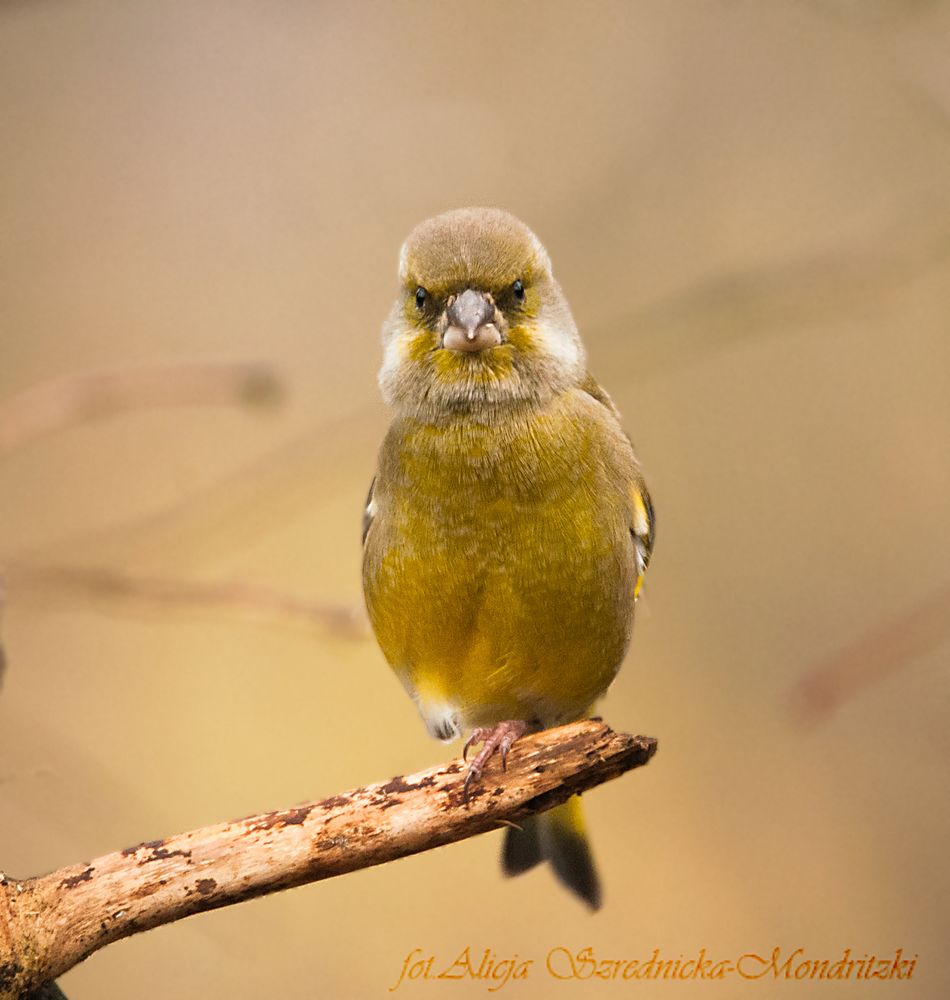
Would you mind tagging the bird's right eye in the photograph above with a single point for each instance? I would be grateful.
(421, 296)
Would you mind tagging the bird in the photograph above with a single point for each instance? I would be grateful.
(508, 527)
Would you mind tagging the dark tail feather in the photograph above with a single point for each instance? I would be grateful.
(558, 837)
(522, 849)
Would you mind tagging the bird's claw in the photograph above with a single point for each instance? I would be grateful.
(495, 739)
(472, 774)
(479, 735)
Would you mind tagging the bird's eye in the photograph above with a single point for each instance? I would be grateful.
(518, 289)
(421, 296)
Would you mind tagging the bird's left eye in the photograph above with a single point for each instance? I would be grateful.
(421, 296)
(518, 289)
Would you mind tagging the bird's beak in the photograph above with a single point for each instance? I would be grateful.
(471, 325)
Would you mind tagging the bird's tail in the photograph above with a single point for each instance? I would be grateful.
(557, 836)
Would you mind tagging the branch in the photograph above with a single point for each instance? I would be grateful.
(104, 586)
(50, 923)
(74, 399)
(874, 655)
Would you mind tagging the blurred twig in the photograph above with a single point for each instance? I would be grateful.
(287, 482)
(149, 593)
(64, 402)
(873, 656)
(49, 923)
(692, 323)
(74, 399)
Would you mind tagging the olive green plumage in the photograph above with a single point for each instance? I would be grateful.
(508, 526)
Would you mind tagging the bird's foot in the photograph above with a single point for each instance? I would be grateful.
(494, 739)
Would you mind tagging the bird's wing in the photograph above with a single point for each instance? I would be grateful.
(643, 525)
(369, 511)
(592, 387)
(643, 529)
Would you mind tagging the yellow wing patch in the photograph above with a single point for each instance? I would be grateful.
(642, 531)
(369, 511)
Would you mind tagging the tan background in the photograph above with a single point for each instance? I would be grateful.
(748, 205)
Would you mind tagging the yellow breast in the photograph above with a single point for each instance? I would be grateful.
(499, 570)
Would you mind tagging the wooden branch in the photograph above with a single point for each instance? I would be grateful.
(50, 923)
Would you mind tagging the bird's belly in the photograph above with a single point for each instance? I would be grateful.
(505, 608)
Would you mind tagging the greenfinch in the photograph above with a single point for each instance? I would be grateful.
(508, 527)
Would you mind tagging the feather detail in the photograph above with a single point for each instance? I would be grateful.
(369, 510)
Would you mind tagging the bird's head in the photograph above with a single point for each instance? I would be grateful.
(480, 324)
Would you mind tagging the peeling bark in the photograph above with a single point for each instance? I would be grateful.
(50, 923)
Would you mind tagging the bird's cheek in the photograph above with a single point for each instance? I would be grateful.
(410, 347)
(522, 340)
(419, 344)
(406, 348)
(545, 344)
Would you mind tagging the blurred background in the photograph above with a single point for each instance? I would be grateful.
(748, 206)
